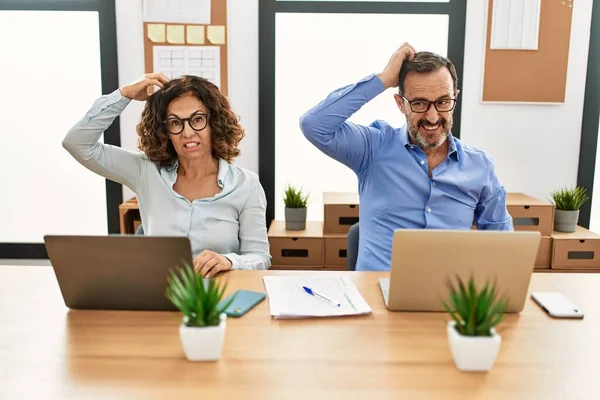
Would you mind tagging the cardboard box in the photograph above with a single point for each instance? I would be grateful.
(544, 252)
(136, 224)
(577, 250)
(129, 213)
(530, 214)
(296, 248)
(340, 212)
(336, 253)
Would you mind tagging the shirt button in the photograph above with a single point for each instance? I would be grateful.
(422, 162)
(429, 210)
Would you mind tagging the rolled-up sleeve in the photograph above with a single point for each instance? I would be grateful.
(491, 212)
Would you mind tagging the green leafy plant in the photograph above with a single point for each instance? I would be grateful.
(475, 312)
(199, 302)
(294, 198)
(569, 199)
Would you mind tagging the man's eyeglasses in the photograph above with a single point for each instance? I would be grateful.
(422, 106)
(197, 122)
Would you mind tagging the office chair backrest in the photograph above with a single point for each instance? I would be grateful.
(352, 247)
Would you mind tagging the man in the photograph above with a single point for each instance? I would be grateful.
(415, 177)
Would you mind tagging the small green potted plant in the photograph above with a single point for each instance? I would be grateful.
(295, 208)
(567, 203)
(202, 331)
(473, 339)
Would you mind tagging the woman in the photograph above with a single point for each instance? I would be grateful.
(183, 179)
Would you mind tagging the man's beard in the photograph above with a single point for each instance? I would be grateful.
(421, 141)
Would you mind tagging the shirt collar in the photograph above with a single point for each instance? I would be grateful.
(453, 150)
(223, 171)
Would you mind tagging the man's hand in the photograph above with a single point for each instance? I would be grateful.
(390, 75)
(208, 263)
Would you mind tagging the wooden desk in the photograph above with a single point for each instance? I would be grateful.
(49, 352)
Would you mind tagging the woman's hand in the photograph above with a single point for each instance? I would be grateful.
(208, 263)
(138, 90)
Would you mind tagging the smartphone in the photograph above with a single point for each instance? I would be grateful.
(243, 302)
(557, 305)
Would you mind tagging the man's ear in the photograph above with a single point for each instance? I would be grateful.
(400, 103)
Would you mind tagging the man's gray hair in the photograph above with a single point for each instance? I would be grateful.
(423, 62)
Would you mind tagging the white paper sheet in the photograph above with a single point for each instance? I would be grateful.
(177, 11)
(203, 61)
(287, 298)
(515, 25)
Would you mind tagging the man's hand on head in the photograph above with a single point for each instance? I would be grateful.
(390, 75)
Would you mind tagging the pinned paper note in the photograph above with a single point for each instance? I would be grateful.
(174, 61)
(195, 34)
(177, 11)
(515, 25)
(156, 33)
(175, 34)
(216, 34)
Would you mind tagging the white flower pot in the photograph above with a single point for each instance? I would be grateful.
(203, 343)
(473, 353)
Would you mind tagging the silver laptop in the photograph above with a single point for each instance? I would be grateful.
(116, 272)
(424, 260)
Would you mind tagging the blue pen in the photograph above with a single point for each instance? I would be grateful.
(322, 296)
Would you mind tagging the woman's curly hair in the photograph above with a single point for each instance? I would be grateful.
(226, 132)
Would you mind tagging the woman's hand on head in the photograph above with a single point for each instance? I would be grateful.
(208, 263)
(138, 90)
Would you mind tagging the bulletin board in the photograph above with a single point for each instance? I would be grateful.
(189, 48)
(531, 76)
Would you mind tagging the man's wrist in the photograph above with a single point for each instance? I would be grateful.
(387, 81)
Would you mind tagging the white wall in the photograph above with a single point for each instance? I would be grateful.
(45, 190)
(536, 147)
(243, 71)
(595, 217)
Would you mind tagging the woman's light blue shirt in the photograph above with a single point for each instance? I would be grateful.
(231, 223)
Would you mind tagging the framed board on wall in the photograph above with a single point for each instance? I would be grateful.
(187, 37)
(531, 76)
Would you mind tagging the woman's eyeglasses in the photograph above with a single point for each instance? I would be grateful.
(197, 122)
